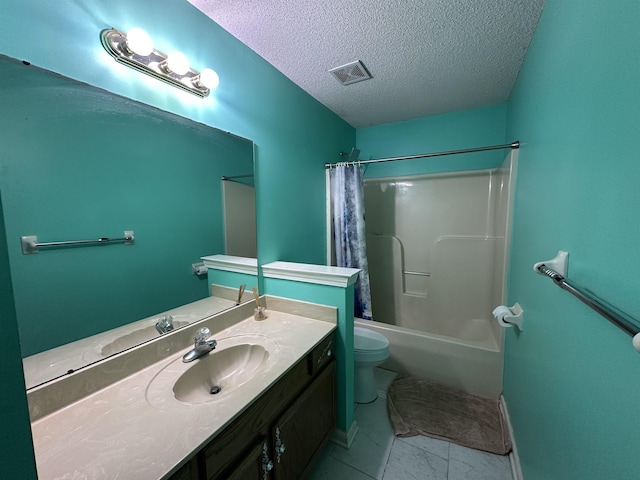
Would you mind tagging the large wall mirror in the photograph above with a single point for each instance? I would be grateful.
(80, 163)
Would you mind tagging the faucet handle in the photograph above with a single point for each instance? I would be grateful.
(202, 335)
(164, 324)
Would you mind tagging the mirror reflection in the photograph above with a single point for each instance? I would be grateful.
(80, 163)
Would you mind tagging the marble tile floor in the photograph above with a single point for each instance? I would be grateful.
(377, 454)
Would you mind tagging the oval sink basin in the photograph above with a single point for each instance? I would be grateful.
(235, 362)
(127, 336)
(134, 338)
(220, 372)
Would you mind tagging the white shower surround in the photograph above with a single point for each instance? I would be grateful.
(456, 227)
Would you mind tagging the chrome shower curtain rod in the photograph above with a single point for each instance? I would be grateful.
(512, 146)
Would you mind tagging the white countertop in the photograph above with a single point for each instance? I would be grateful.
(116, 432)
(55, 362)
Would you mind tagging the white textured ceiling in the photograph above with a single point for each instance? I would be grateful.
(426, 56)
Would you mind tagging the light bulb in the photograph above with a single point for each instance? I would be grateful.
(139, 42)
(209, 78)
(178, 63)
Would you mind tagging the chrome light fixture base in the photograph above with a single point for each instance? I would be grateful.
(115, 42)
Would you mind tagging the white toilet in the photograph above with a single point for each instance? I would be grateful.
(370, 350)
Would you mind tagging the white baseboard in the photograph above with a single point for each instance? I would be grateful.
(514, 459)
(345, 439)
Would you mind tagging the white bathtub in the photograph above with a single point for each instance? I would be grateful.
(474, 366)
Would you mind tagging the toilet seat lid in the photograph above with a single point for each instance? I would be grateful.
(365, 339)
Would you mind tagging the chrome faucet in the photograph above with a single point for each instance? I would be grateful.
(164, 324)
(201, 347)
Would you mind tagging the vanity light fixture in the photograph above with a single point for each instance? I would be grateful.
(135, 49)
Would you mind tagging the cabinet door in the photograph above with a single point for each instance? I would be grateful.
(228, 447)
(304, 428)
(257, 465)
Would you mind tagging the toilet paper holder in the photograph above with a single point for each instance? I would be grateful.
(199, 268)
(509, 316)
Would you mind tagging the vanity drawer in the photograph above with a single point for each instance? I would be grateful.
(321, 355)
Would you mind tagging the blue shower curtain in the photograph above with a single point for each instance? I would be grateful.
(347, 198)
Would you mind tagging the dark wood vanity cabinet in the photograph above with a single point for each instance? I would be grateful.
(304, 428)
(281, 433)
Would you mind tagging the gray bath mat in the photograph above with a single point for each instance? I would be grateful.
(420, 407)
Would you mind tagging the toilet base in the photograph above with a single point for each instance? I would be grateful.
(365, 389)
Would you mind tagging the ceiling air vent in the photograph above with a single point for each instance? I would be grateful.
(351, 73)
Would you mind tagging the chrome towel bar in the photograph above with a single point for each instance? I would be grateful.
(619, 318)
(31, 245)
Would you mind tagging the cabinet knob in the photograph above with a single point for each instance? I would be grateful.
(267, 463)
(280, 446)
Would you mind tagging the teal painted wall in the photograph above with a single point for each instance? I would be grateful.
(571, 378)
(16, 452)
(293, 133)
(231, 279)
(342, 299)
(78, 162)
(450, 131)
